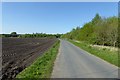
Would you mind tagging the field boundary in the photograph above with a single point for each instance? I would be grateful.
(42, 67)
(57, 57)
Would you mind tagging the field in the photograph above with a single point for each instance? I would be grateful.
(18, 53)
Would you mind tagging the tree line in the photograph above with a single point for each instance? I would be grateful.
(38, 35)
(100, 31)
(34, 35)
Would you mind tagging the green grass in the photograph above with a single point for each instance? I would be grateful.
(42, 67)
(107, 55)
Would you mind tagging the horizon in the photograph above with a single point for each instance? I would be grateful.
(52, 17)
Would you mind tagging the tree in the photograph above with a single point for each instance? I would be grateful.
(96, 19)
(13, 33)
(113, 30)
(101, 31)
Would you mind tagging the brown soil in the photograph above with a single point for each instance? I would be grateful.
(18, 53)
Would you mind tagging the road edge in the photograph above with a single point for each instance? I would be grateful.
(57, 57)
(94, 55)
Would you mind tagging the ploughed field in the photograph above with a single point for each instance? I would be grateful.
(18, 53)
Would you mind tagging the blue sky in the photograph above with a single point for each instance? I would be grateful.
(51, 17)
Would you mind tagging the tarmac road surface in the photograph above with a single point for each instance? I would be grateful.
(73, 62)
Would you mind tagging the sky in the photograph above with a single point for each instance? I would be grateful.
(52, 17)
(60, 0)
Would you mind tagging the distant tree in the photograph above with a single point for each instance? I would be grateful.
(57, 35)
(13, 33)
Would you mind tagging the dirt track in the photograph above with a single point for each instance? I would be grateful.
(18, 53)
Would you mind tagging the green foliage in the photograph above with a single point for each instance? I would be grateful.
(40, 35)
(100, 31)
(96, 19)
(0, 35)
(10, 35)
(34, 35)
(42, 67)
(14, 33)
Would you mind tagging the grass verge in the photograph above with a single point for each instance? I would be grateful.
(42, 67)
(105, 54)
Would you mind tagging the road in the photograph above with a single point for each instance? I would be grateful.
(73, 62)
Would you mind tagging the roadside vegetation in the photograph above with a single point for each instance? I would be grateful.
(0, 35)
(99, 31)
(104, 53)
(42, 67)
